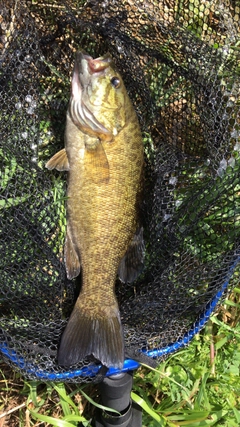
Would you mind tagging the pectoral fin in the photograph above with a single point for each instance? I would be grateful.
(59, 161)
(72, 261)
(97, 161)
(133, 261)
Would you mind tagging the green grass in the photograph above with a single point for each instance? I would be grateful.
(197, 386)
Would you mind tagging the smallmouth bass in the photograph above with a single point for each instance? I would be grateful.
(103, 155)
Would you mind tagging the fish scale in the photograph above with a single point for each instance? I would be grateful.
(104, 159)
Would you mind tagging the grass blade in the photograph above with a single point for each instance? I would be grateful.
(147, 408)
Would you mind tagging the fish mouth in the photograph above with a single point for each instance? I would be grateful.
(85, 66)
(94, 65)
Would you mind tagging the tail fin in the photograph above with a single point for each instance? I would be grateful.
(98, 334)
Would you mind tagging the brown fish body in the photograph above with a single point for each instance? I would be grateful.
(104, 183)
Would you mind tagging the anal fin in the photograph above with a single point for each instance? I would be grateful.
(132, 263)
(59, 161)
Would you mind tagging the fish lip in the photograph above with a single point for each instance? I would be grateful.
(93, 65)
(99, 64)
(80, 66)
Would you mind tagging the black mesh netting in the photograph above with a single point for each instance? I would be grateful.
(180, 63)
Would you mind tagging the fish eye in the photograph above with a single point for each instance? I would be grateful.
(115, 81)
